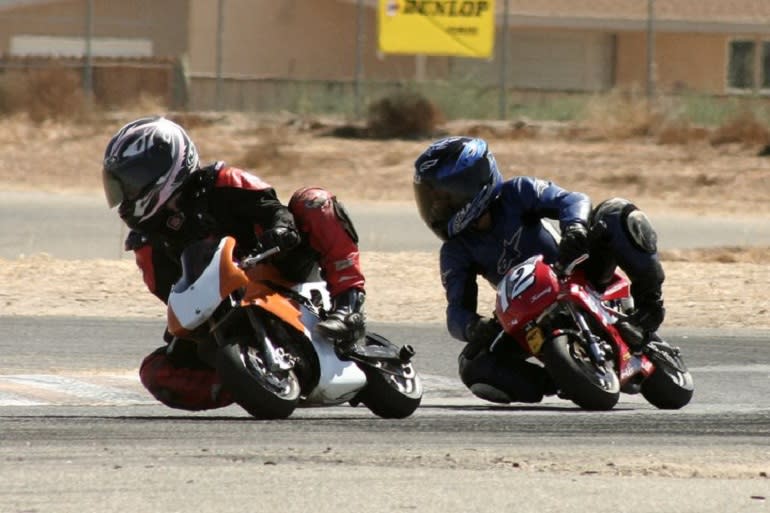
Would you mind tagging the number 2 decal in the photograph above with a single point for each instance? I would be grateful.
(518, 280)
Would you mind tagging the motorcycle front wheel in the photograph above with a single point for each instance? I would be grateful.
(264, 394)
(576, 375)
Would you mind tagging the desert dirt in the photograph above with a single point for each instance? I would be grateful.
(715, 288)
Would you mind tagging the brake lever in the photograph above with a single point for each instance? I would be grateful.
(251, 261)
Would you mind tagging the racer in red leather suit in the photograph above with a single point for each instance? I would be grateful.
(180, 202)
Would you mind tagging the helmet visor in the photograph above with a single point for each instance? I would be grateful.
(439, 199)
(127, 182)
(112, 189)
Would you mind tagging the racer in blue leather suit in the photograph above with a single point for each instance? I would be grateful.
(488, 225)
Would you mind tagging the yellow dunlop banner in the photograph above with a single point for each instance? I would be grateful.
(437, 27)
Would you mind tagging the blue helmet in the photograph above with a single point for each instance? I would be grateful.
(455, 180)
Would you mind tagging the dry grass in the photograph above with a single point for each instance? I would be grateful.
(56, 95)
(744, 128)
(272, 150)
(619, 115)
(43, 95)
(723, 255)
(623, 115)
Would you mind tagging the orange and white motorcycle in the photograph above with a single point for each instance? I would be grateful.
(260, 330)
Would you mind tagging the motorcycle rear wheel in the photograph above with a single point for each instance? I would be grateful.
(577, 377)
(670, 386)
(263, 394)
(393, 389)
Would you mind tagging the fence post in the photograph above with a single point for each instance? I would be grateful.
(219, 56)
(650, 49)
(88, 72)
(359, 58)
(503, 113)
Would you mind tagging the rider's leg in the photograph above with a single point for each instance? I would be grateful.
(503, 376)
(327, 227)
(175, 376)
(618, 228)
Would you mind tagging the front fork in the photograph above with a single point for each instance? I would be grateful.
(275, 358)
(593, 342)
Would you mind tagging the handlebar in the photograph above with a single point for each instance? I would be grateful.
(253, 260)
(567, 271)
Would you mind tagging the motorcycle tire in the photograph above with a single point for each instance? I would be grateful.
(264, 395)
(577, 377)
(670, 386)
(393, 389)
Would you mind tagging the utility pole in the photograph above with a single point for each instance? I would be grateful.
(359, 58)
(219, 50)
(650, 49)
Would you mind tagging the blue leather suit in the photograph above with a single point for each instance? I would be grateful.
(519, 230)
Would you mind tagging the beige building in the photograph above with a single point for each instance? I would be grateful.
(711, 46)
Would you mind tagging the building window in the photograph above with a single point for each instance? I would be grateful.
(748, 65)
(766, 65)
(740, 74)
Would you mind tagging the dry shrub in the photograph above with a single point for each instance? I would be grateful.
(271, 151)
(43, 94)
(744, 128)
(619, 115)
(403, 115)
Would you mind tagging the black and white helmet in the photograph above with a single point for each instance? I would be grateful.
(145, 163)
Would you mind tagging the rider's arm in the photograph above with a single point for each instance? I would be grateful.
(159, 271)
(542, 198)
(249, 197)
(460, 287)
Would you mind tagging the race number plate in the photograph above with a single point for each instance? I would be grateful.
(535, 339)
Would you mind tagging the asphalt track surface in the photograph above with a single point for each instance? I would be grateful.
(79, 434)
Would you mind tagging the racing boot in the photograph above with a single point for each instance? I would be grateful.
(345, 323)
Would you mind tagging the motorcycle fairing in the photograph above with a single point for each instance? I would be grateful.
(196, 299)
(618, 288)
(339, 380)
(262, 295)
(628, 364)
(525, 291)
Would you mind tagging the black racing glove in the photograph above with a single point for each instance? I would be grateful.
(479, 334)
(574, 243)
(282, 237)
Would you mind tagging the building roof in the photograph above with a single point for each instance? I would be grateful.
(718, 16)
(11, 4)
(670, 15)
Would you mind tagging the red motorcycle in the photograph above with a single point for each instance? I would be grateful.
(571, 328)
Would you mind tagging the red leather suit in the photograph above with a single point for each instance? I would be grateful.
(218, 201)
